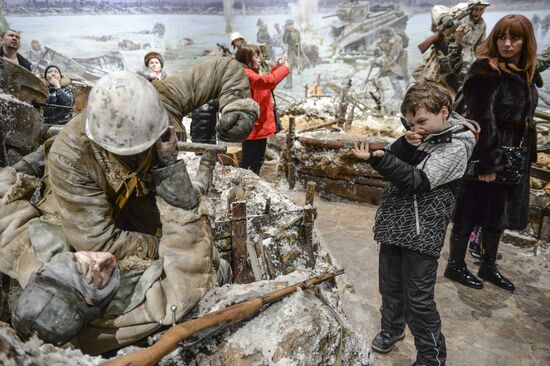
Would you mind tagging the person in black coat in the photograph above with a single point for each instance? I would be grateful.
(58, 106)
(500, 94)
(203, 122)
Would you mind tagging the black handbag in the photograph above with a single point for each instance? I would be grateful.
(516, 162)
(278, 125)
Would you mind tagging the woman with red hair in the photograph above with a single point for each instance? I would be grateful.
(261, 88)
(500, 94)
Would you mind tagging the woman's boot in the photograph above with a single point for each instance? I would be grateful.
(488, 268)
(456, 269)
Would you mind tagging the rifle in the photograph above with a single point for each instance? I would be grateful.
(234, 313)
(225, 50)
(449, 23)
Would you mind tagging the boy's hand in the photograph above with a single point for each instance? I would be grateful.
(361, 151)
(413, 138)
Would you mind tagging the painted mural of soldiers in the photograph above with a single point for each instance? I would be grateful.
(543, 60)
(449, 59)
(393, 57)
(263, 37)
(292, 39)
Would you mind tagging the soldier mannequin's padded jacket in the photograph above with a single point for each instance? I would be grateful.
(417, 206)
(85, 180)
(222, 78)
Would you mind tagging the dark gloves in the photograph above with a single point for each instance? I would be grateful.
(235, 126)
(237, 120)
(173, 184)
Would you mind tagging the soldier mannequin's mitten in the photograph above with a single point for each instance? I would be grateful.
(172, 183)
(237, 120)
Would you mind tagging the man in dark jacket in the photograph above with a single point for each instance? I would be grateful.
(11, 41)
(203, 122)
(412, 220)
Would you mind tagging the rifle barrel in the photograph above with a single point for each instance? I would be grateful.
(170, 340)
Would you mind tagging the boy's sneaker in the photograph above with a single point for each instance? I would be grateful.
(383, 342)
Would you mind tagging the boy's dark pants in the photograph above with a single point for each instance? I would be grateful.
(406, 283)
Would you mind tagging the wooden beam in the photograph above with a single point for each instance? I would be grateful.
(239, 260)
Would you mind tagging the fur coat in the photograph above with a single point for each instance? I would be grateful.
(503, 104)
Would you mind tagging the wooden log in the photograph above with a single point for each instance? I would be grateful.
(313, 128)
(344, 189)
(540, 173)
(542, 115)
(310, 193)
(239, 259)
(337, 144)
(291, 137)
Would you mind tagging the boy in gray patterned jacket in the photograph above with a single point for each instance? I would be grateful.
(414, 213)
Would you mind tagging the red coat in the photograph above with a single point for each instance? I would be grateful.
(260, 88)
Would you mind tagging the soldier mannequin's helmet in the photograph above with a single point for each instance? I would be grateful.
(235, 36)
(52, 310)
(289, 22)
(479, 2)
(125, 115)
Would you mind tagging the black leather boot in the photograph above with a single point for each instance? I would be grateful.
(383, 342)
(489, 272)
(456, 267)
(488, 268)
(460, 273)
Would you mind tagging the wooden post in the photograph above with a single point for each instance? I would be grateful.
(305, 91)
(544, 231)
(291, 168)
(239, 257)
(310, 193)
(309, 218)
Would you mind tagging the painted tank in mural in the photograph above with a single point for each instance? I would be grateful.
(359, 23)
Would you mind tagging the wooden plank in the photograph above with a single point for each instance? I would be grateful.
(290, 138)
(344, 189)
(239, 260)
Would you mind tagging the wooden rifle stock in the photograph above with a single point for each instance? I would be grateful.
(234, 313)
(423, 47)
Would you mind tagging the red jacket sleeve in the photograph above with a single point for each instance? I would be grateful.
(268, 81)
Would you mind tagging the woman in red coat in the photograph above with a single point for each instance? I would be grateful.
(261, 87)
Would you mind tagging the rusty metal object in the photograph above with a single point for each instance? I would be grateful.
(21, 83)
(290, 138)
(242, 272)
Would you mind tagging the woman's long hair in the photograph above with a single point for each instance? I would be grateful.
(245, 53)
(516, 25)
